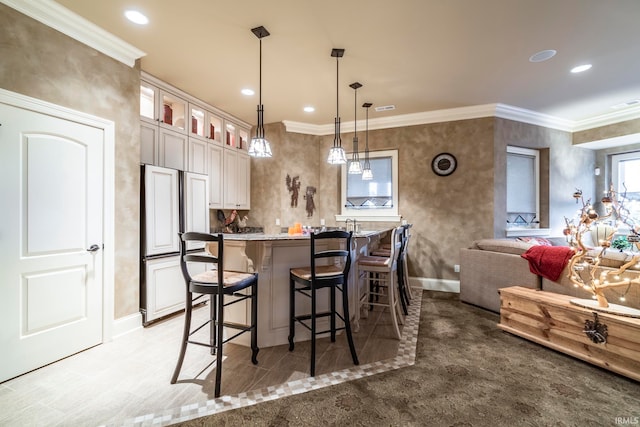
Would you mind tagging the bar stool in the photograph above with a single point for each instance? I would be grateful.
(380, 275)
(402, 272)
(220, 285)
(329, 269)
(406, 235)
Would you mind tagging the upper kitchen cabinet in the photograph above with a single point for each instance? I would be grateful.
(213, 129)
(231, 135)
(236, 137)
(173, 150)
(236, 179)
(149, 143)
(243, 139)
(180, 131)
(162, 107)
(197, 121)
(173, 112)
(149, 100)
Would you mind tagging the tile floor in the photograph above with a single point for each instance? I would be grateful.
(126, 382)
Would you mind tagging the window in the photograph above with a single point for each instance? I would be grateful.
(523, 182)
(625, 175)
(376, 199)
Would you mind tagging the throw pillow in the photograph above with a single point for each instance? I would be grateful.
(536, 241)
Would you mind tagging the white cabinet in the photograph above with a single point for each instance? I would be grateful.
(181, 132)
(164, 289)
(161, 210)
(198, 161)
(236, 179)
(173, 150)
(215, 165)
(149, 143)
(213, 125)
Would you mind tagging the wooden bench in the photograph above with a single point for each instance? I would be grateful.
(551, 320)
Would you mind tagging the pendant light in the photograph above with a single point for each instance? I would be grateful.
(259, 146)
(367, 174)
(354, 165)
(336, 154)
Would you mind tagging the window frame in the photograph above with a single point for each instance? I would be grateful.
(616, 159)
(373, 214)
(535, 154)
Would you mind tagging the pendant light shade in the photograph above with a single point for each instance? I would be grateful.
(259, 146)
(336, 154)
(355, 168)
(367, 174)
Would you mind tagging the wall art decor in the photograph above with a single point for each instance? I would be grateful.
(308, 196)
(293, 186)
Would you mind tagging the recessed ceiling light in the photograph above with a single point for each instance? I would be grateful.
(309, 109)
(543, 55)
(581, 68)
(247, 92)
(136, 17)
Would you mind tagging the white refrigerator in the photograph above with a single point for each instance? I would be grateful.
(171, 201)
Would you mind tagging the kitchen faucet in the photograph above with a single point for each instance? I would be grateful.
(354, 224)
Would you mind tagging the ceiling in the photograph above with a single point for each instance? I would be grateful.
(419, 55)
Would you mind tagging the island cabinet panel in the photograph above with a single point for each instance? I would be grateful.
(552, 320)
(271, 256)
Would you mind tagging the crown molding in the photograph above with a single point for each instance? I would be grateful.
(62, 19)
(527, 116)
(631, 113)
(502, 111)
(438, 116)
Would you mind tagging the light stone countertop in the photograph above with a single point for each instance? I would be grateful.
(285, 236)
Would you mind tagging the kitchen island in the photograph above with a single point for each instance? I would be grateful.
(271, 256)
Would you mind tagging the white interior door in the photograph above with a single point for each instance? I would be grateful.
(51, 283)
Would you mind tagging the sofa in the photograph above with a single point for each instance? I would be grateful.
(491, 264)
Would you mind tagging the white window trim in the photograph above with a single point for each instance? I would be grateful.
(370, 215)
(536, 154)
(622, 229)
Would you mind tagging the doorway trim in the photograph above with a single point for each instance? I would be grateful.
(108, 128)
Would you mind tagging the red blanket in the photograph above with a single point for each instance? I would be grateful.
(548, 261)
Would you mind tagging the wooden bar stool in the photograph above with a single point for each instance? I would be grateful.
(329, 269)
(380, 276)
(219, 284)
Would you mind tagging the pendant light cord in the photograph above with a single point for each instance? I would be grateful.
(260, 130)
(337, 142)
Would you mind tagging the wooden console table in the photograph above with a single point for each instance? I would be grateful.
(551, 320)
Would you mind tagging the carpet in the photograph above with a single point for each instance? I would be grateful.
(467, 373)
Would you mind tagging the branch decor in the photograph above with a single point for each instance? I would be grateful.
(585, 269)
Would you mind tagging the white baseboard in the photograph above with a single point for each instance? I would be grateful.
(126, 324)
(431, 284)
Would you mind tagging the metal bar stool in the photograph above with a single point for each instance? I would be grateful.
(219, 284)
(329, 269)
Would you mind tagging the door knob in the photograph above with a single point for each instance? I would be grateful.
(93, 248)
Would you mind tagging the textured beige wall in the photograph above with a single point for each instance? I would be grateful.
(447, 212)
(564, 168)
(42, 63)
(610, 131)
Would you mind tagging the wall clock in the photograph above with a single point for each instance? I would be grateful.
(444, 164)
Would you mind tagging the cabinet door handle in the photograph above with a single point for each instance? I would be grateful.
(93, 248)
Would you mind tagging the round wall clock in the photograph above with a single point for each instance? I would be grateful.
(444, 164)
